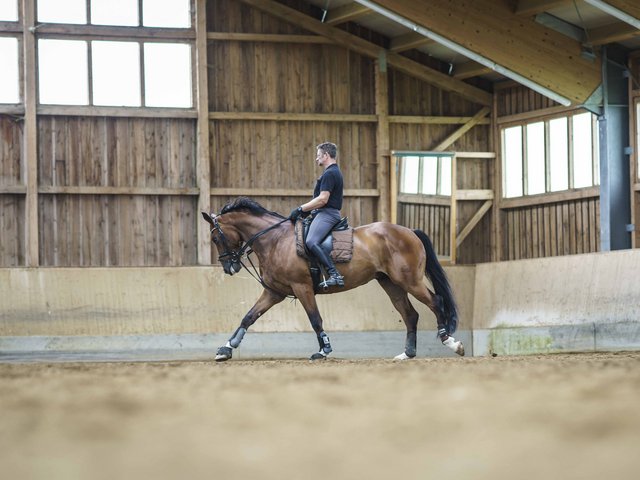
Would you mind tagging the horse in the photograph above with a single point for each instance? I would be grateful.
(394, 255)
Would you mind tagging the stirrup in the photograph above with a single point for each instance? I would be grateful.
(334, 280)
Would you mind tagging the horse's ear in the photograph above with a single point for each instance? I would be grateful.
(207, 217)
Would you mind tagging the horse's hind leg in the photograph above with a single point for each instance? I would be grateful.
(267, 299)
(401, 302)
(434, 302)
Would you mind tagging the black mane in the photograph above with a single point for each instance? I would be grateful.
(249, 205)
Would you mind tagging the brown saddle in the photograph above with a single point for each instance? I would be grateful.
(339, 242)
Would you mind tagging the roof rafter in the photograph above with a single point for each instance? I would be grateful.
(371, 50)
(345, 13)
(408, 41)
(626, 10)
(490, 33)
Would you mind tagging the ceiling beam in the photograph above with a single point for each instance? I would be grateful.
(615, 32)
(371, 50)
(626, 10)
(529, 8)
(408, 41)
(346, 13)
(489, 33)
(469, 69)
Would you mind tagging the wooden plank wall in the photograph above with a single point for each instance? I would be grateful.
(91, 155)
(284, 78)
(12, 205)
(536, 227)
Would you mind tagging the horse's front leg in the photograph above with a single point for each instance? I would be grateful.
(267, 299)
(308, 300)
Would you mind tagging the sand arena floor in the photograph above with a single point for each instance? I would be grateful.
(539, 417)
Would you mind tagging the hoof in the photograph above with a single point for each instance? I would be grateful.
(318, 356)
(402, 356)
(223, 354)
(454, 345)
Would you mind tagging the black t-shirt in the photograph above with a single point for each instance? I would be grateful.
(331, 181)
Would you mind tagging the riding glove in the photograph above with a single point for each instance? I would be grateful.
(295, 213)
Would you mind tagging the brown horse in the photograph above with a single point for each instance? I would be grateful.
(395, 256)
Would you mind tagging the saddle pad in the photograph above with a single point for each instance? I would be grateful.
(342, 251)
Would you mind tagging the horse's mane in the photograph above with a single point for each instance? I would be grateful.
(249, 205)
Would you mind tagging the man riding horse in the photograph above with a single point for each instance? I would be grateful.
(325, 207)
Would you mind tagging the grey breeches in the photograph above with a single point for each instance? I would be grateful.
(322, 224)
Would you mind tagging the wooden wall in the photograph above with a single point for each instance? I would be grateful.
(563, 223)
(87, 165)
(12, 205)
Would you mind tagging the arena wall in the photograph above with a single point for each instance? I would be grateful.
(572, 303)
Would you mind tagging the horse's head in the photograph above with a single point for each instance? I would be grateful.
(228, 243)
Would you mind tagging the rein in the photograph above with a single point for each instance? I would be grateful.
(236, 255)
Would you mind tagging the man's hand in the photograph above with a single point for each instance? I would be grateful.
(295, 213)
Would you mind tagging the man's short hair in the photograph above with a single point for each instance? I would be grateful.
(330, 148)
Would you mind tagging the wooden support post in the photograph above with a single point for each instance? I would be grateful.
(453, 216)
(496, 179)
(203, 154)
(382, 138)
(30, 148)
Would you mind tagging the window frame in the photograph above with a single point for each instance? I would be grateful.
(401, 155)
(89, 32)
(595, 161)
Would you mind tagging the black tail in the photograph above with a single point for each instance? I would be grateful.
(440, 283)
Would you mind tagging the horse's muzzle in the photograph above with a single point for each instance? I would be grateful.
(231, 268)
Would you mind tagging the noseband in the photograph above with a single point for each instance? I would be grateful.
(228, 253)
(235, 256)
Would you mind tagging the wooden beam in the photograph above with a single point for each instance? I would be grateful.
(408, 41)
(630, 7)
(475, 194)
(203, 157)
(103, 31)
(30, 135)
(522, 46)
(469, 70)
(294, 117)
(267, 38)
(382, 140)
(433, 120)
(447, 142)
(95, 111)
(368, 49)
(533, 7)
(104, 190)
(464, 233)
(283, 192)
(615, 32)
(345, 13)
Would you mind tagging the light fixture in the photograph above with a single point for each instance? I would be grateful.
(466, 52)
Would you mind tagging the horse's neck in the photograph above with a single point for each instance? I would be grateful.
(251, 225)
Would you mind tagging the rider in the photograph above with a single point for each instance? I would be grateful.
(325, 205)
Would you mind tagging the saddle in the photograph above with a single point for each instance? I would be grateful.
(338, 243)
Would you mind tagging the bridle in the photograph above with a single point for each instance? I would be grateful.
(235, 256)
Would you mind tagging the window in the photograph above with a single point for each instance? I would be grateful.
(8, 10)
(116, 73)
(425, 173)
(550, 156)
(167, 68)
(9, 74)
(62, 72)
(122, 72)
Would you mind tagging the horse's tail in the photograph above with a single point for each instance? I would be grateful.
(438, 278)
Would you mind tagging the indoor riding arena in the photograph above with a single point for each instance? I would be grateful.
(507, 131)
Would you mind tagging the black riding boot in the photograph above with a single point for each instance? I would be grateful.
(334, 276)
